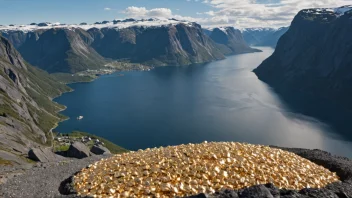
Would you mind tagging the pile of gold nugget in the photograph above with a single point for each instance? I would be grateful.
(198, 168)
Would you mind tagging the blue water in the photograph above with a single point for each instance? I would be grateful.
(218, 101)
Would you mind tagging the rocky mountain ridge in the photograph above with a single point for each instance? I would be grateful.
(180, 44)
(230, 40)
(152, 42)
(314, 56)
(115, 24)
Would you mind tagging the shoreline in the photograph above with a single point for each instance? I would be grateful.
(102, 73)
(72, 90)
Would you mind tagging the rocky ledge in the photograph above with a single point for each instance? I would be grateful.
(54, 180)
(341, 165)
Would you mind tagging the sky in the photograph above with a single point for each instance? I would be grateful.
(209, 13)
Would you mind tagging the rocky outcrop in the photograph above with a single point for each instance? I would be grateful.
(230, 41)
(270, 191)
(17, 38)
(314, 56)
(263, 36)
(44, 155)
(99, 150)
(26, 111)
(78, 150)
(9, 54)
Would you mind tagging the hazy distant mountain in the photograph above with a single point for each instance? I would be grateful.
(315, 55)
(73, 48)
(230, 40)
(263, 36)
(26, 112)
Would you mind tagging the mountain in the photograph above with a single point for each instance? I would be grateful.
(263, 36)
(27, 113)
(230, 40)
(314, 56)
(173, 44)
(74, 48)
(57, 49)
(17, 38)
(155, 42)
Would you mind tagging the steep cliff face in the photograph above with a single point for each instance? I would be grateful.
(114, 43)
(314, 56)
(263, 36)
(26, 111)
(61, 50)
(230, 41)
(180, 44)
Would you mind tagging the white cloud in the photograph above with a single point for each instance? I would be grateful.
(142, 12)
(107, 9)
(241, 13)
(210, 13)
(250, 13)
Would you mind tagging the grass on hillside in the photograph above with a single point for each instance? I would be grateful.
(67, 78)
(6, 109)
(44, 102)
(46, 84)
(61, 148)
(4, 162)
(45, 121)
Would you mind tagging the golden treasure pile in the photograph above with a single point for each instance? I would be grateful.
(198, 168)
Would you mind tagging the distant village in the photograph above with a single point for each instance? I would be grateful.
(65, 140)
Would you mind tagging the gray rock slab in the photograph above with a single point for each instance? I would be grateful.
(44, 155)
(78, 150)
(99, 150)
(44, 180)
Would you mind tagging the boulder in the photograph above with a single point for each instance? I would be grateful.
(44, 155)
(99, 150)
(326, 193)
(78, 150)
(259, 191)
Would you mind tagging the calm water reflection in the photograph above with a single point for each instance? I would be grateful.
(219, 101)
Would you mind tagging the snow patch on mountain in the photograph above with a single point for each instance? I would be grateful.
(338, 12)
(259, 29)
(343, 10)
(116, 24)
(223, 29)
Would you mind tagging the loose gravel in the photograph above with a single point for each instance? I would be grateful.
(44, 180)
